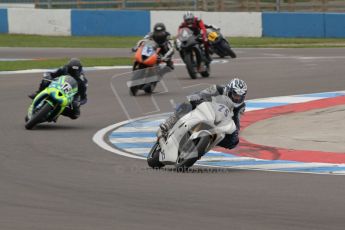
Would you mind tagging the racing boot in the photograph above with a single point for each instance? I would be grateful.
(44, 83)
(181, 110)
(170, 64)
(33, 95)
(134, 49)
(167, 125)
(208, 57)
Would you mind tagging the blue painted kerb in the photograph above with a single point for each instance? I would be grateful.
(3, 21)
(110, 23)
(293, 24)
(335, 25)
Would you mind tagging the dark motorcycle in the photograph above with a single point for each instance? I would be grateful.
(218, 44)
(192, 53)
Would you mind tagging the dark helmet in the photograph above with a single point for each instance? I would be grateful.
(188, 18)
(236, 90)
(74, 67)
(159, 34)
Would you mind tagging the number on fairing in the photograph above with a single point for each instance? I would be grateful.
(147, 51)
(226, 110)
(66, 87)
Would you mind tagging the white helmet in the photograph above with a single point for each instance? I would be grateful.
(236, 89)
(189, 18)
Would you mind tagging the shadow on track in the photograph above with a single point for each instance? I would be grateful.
(58, 127)
(196, 170)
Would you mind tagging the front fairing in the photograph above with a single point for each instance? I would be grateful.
(147, 54)
(186, 39)
(208, 118)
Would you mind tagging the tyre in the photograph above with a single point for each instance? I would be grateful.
(190, 64)
(133, 91)
(38, 116)
(153, 157)
(149, 88)
(227, 49)
(135, 66)
(207, 72)
(221, 55)
(219, 52)
(183, 161)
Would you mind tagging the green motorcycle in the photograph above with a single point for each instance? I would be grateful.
(48, 105)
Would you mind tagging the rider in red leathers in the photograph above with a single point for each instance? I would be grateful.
(199, 29)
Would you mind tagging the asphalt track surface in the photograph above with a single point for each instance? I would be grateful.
(55, 177)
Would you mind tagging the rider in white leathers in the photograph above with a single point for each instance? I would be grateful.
(236, 90)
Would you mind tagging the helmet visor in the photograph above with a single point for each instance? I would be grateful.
(75, 71)
(159, 37)
(237, 98)
(189, 21)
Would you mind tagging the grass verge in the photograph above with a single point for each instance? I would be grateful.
(55, 63)
(7, 40)
(17, 40)
(287, 42)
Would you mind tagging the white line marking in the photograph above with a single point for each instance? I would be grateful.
(132, 140)
(95, 68)
(47, 70)
(338, 172)
(99, 136)
(290, 100)
(301, 58)
(253, 108)
(16, 59)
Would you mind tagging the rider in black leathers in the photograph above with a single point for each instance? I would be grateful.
(163, 39)
(73, 68)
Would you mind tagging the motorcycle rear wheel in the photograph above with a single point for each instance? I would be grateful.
(39, 116)
(150, 88)
(201, 144)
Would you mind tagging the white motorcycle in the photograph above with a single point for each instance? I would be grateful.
(194, 134)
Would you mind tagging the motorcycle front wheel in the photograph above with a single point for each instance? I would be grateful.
(39, 116)
(190, 61)
(206, 73)
(227, 49)
(153, 157)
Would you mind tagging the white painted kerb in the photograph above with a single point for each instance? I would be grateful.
(39, 21)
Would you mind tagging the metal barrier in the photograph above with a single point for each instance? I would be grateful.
(202, 5)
